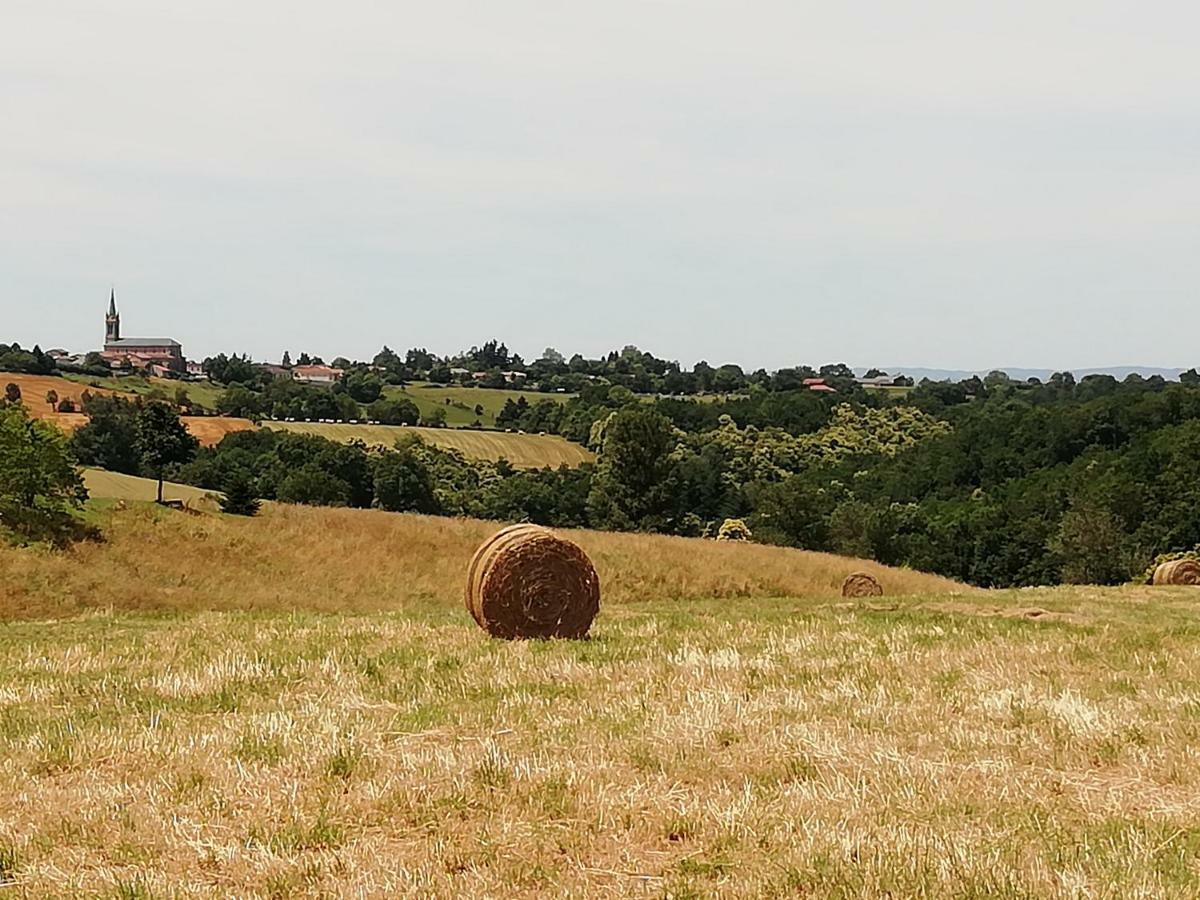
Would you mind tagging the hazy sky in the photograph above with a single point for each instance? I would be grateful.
(952, 183)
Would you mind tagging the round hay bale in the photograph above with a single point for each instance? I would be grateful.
(1178, 571)
(861, 584)
(526, 582)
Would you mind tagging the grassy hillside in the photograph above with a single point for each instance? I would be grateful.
(731, 729)
(345, 560)
(104, 485)
(202, 392)
(459, 402)
(526, 451)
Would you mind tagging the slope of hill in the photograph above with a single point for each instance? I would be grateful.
(459, 402)
(344, 560)
(525, 451)
(203, 392)
(102, 485)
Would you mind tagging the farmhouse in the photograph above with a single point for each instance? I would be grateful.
(159, 356)
(316, 374)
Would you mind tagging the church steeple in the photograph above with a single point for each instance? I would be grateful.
(112, 321)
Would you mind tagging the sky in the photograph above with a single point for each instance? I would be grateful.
(952, 184)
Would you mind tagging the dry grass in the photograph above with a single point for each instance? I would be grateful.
(525, 451)
(211, 430)
(753, 749)
(330, 560)
(223, 720)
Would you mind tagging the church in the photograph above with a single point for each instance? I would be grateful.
(158, 356)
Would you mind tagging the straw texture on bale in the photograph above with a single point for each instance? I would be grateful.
(1178, 571)
(861, 584)
(526, 582)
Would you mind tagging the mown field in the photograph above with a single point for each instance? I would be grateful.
(298, 705)
(459, 402)
(525, 451)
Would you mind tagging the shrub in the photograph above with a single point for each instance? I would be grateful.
(734, 530)
(240, 498)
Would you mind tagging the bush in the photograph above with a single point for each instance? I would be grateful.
(240, 498)
(734, 530)
(40, 487)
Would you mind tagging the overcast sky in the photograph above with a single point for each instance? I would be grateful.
(951, 183)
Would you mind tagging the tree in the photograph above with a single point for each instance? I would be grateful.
(12, 393)
(403, 483)
(109, 439)
(238, 400)
(240, 498)
(162, 440)
(1092, 544)
(1191, 377)
(435, 419)
(52, 399)
(630, 490)
(394, 412)
(312, 487)
(287, 360)
(40, 486)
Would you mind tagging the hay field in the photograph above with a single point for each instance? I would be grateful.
(1022, 744)
(460, 411)
(35, 387)
(525, 451)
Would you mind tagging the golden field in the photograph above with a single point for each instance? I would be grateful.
(356, 561)
(299, 705)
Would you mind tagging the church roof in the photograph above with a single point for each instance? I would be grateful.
(131, 343)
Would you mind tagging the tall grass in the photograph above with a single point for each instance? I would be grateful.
(340, 560)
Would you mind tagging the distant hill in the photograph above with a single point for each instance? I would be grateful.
(1018, 374)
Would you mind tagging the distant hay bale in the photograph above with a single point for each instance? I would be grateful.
(1178, 571)
(526, 582)
(861, 584)
(734, 530)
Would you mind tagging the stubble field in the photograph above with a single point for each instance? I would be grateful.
(326, 720)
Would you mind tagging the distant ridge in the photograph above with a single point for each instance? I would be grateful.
(1017, 374)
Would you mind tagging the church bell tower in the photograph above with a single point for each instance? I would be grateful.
(112, 321)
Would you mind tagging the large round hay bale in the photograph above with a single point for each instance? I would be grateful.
(861, 584)
(1178, 571)
(526, 582)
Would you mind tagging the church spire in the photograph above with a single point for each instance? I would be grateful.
(112, 321)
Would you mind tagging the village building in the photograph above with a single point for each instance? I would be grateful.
(157, 356)
(317, 374)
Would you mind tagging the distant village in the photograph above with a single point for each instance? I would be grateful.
(164, 357)
(494, 366)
